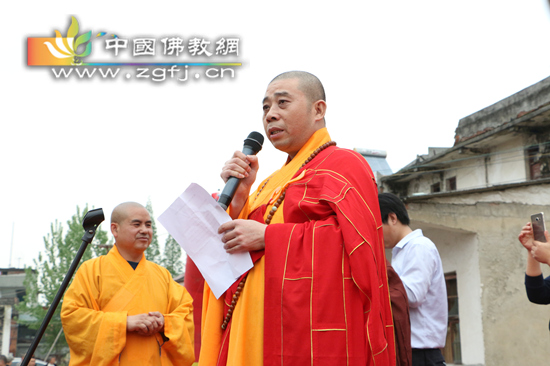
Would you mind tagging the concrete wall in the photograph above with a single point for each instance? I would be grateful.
(477, 238)
(505, 164)
(424, 183)
(508, 164)
(470, 174)
(459, 253)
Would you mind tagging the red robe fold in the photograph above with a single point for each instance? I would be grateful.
(326, 298)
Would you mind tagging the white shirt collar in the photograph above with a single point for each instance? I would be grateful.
(408, 238)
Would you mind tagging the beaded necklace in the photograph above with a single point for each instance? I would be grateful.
(268, 221)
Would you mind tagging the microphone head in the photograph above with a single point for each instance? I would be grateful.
(92, 219)
(254, 141)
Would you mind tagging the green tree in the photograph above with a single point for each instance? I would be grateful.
(171, 259)
(43, 282)
(153, 252)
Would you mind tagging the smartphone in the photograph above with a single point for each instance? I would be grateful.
(537, 222)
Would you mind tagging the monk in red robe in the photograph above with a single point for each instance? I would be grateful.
(318, 291)
(122, 309)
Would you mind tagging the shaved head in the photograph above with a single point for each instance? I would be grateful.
(120, 212)
(132, 227)
(308, 84)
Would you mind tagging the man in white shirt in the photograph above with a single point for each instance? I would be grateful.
(416, 260)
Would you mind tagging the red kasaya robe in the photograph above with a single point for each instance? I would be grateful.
(319, 294)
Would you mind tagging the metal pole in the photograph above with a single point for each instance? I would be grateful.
(54, 343)
(90, 223)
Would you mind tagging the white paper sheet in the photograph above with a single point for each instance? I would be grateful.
(193, 220)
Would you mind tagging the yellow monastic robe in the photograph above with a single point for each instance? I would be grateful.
(104, 292)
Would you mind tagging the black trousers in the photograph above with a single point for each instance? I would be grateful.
(427, 357)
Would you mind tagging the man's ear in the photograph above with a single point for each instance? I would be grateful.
(392, 218)
(320, 108)
(114, 229)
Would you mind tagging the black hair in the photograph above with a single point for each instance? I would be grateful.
(390, 203)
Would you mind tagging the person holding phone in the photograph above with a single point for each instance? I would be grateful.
(537, 287)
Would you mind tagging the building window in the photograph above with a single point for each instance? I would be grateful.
(452, 351)
(435, 187)
(451, 184)
(534, 162)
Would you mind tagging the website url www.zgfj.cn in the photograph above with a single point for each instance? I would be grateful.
(156, 74)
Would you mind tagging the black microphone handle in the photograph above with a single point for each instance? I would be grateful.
(232, 183)
(228, 192)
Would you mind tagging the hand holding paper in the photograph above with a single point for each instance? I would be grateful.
(193, 220)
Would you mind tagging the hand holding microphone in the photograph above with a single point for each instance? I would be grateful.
(240, 173)
(241, 169)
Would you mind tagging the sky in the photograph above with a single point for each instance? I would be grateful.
(398, 76)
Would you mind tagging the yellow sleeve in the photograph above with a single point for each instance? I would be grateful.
(94, 337)
(179, 327)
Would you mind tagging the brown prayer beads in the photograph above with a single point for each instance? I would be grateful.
(233, 303)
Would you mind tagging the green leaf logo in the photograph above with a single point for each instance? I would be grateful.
(68, 46)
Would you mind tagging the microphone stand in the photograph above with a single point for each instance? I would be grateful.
(90, 223)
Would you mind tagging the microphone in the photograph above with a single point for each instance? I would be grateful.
(252, 145)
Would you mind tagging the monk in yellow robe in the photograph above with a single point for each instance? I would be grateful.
(124, 310)
(318, 291)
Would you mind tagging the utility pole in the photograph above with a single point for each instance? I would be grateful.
(11, 245)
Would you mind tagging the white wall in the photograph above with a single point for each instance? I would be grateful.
(470, 174)
(459, 253)
(507, 164)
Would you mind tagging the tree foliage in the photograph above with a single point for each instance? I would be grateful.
(171, 258)
(44, 281)
(153, 251)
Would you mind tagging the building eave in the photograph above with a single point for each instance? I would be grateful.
(433, 163)
(497, 187)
